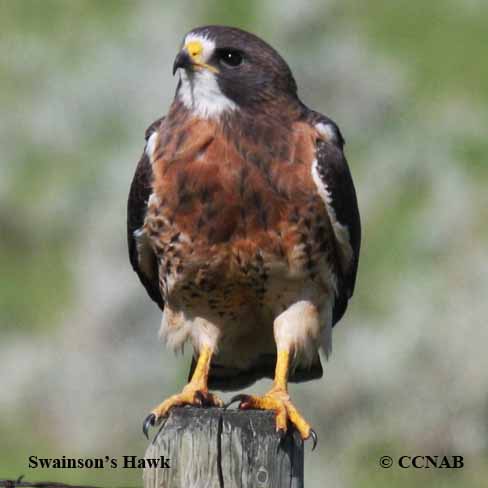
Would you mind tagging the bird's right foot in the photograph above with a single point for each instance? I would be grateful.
(191, 395)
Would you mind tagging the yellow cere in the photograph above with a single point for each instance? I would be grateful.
(195, 49)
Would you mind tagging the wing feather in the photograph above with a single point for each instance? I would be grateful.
(141, 256)
(335, 176)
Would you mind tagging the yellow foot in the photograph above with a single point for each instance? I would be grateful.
(191, 395)
(279, 401)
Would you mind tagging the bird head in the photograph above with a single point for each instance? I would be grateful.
(225, 68)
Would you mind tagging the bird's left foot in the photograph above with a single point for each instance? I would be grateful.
(279, 401)
(191, 395)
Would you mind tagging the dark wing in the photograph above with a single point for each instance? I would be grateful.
(141, 256)
(334, 172)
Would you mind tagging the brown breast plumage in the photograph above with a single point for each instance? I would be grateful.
(228, 216)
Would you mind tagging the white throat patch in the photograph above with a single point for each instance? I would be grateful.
(199, 91)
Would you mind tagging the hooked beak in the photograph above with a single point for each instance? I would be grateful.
(190, 58)
(182, 60)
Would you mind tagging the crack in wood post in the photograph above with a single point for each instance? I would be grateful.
(219, 451)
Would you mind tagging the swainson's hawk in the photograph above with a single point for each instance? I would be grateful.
(243, 224)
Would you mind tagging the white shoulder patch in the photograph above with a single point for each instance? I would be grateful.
(151, 145)
(341, 232)
(327, 131)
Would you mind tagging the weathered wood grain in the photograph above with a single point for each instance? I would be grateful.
(216, 448)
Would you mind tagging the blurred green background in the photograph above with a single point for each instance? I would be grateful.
(407, 82)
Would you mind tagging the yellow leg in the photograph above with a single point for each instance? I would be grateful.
(194, 393)
(281, 370)
(278, 400)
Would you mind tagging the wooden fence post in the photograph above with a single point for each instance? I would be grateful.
(216, 448)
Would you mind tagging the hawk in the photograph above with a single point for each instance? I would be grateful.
(243, 224)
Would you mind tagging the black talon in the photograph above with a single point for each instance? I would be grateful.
(314, 437)
(281, 434)
(206, 402)
(237, 398)
(199, 398)
(148, 422)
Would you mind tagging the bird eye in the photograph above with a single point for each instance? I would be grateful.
(229, 57)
